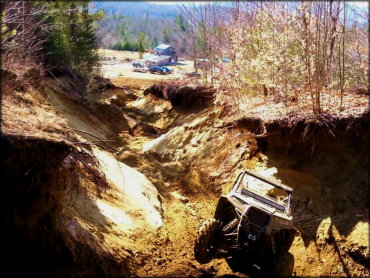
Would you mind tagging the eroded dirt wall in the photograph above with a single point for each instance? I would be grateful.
(327, 166)
(36, 179)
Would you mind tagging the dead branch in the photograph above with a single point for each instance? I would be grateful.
(92, 165)
(92, 135)
(250, 135)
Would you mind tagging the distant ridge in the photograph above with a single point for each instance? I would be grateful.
(136, 8)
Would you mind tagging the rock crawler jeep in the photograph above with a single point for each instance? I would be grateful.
(252, 223)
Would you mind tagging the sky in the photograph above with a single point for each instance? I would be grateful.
(361, 4)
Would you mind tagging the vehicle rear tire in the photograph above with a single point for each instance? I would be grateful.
(204, 248)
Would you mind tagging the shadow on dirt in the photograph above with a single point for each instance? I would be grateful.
(328, 172)
(40, 238)
(252, 268)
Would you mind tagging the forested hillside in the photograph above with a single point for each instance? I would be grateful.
(136, 8)
(129, 25)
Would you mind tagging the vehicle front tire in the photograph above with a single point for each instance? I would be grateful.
(283, 266)
(290, 235)
(204, 248)
(245, 263)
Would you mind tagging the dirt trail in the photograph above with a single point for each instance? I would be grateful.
(171, 166)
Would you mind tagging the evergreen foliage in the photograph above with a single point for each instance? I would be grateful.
(122, 32)
(180, 23)
(52, 33)
(141, 44)
(72, 40)
(166, 37)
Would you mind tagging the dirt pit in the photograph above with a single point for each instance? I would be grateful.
(165, 168)
(199, 157)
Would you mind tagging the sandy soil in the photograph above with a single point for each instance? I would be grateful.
(163, 186)
(210, 157)
(213, 156)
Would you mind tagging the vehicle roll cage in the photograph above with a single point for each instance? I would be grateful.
(277, 184)
(271, 182)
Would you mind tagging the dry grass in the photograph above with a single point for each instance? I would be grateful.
(298, 105)
(27, 112)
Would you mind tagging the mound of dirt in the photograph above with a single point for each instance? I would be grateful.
(36, 182)
(56, 223)
(102, 83)
(183, 95)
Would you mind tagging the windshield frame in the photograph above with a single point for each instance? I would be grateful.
(238, 187)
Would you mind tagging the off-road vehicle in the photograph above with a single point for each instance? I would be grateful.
(157, 69)
(252, 223)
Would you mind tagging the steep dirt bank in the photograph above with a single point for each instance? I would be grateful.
(173, 163)
(327, 165)
(37, 180)
(71, 209)
(326, 162)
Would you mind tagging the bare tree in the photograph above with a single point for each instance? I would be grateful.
(22, 34)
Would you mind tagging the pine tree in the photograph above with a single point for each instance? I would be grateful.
(72, 40)
(180, 23)
(141, 44)
(155, 42)
(166, 37)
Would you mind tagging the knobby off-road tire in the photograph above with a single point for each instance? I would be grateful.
(204, 248)
(239, 261)
(283, 266)
(286, 246)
